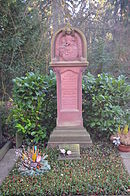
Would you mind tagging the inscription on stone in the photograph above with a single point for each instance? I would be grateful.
(75, 151)
(69, 90)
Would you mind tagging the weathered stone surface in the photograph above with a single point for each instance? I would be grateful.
(69, 96)
(75, 152)
(4, 149)
(7, 163)
(68, 46)
(69, 60)
(69, 135)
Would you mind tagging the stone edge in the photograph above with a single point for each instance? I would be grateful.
(4, 149)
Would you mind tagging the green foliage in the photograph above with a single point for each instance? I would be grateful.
(23, 46)
(34, 108)
(104, 99)
(99, 172)
(4, 113)
(97, 55)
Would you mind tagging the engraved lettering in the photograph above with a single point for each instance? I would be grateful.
(69, 90)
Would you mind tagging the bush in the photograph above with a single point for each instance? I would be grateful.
(6, 128)
(34, 108)
(104, 99)
(4, 113)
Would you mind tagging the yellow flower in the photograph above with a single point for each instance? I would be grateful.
(125, 131)
(119, 130)
(29, 8)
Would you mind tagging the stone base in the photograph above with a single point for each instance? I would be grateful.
(70, 135)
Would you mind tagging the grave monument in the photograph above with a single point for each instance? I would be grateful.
(69, 60)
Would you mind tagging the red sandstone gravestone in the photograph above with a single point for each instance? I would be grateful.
(69, 60)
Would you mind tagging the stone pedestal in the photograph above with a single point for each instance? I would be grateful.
(70, 135)
(68, 60)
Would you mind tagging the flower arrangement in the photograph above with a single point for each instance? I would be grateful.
(65, 152)
(31, 161)
(124, 135)
(122, 139)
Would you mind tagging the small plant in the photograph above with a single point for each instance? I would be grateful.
(122, 139)
(124, 135)
(125, 130)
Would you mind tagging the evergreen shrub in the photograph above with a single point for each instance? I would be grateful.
(34, 109)
(104, 100)
(34, 104)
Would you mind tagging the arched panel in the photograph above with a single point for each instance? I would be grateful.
(68, 45)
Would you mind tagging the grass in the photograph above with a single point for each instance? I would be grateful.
(99, 172)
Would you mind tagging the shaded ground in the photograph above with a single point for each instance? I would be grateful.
(100, 171)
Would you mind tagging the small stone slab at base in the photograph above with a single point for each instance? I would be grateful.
(4, 149)
(75, 150)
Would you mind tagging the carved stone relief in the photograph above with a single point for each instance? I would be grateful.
(68, 47)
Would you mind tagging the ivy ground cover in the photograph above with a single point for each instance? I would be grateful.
(99, 172)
